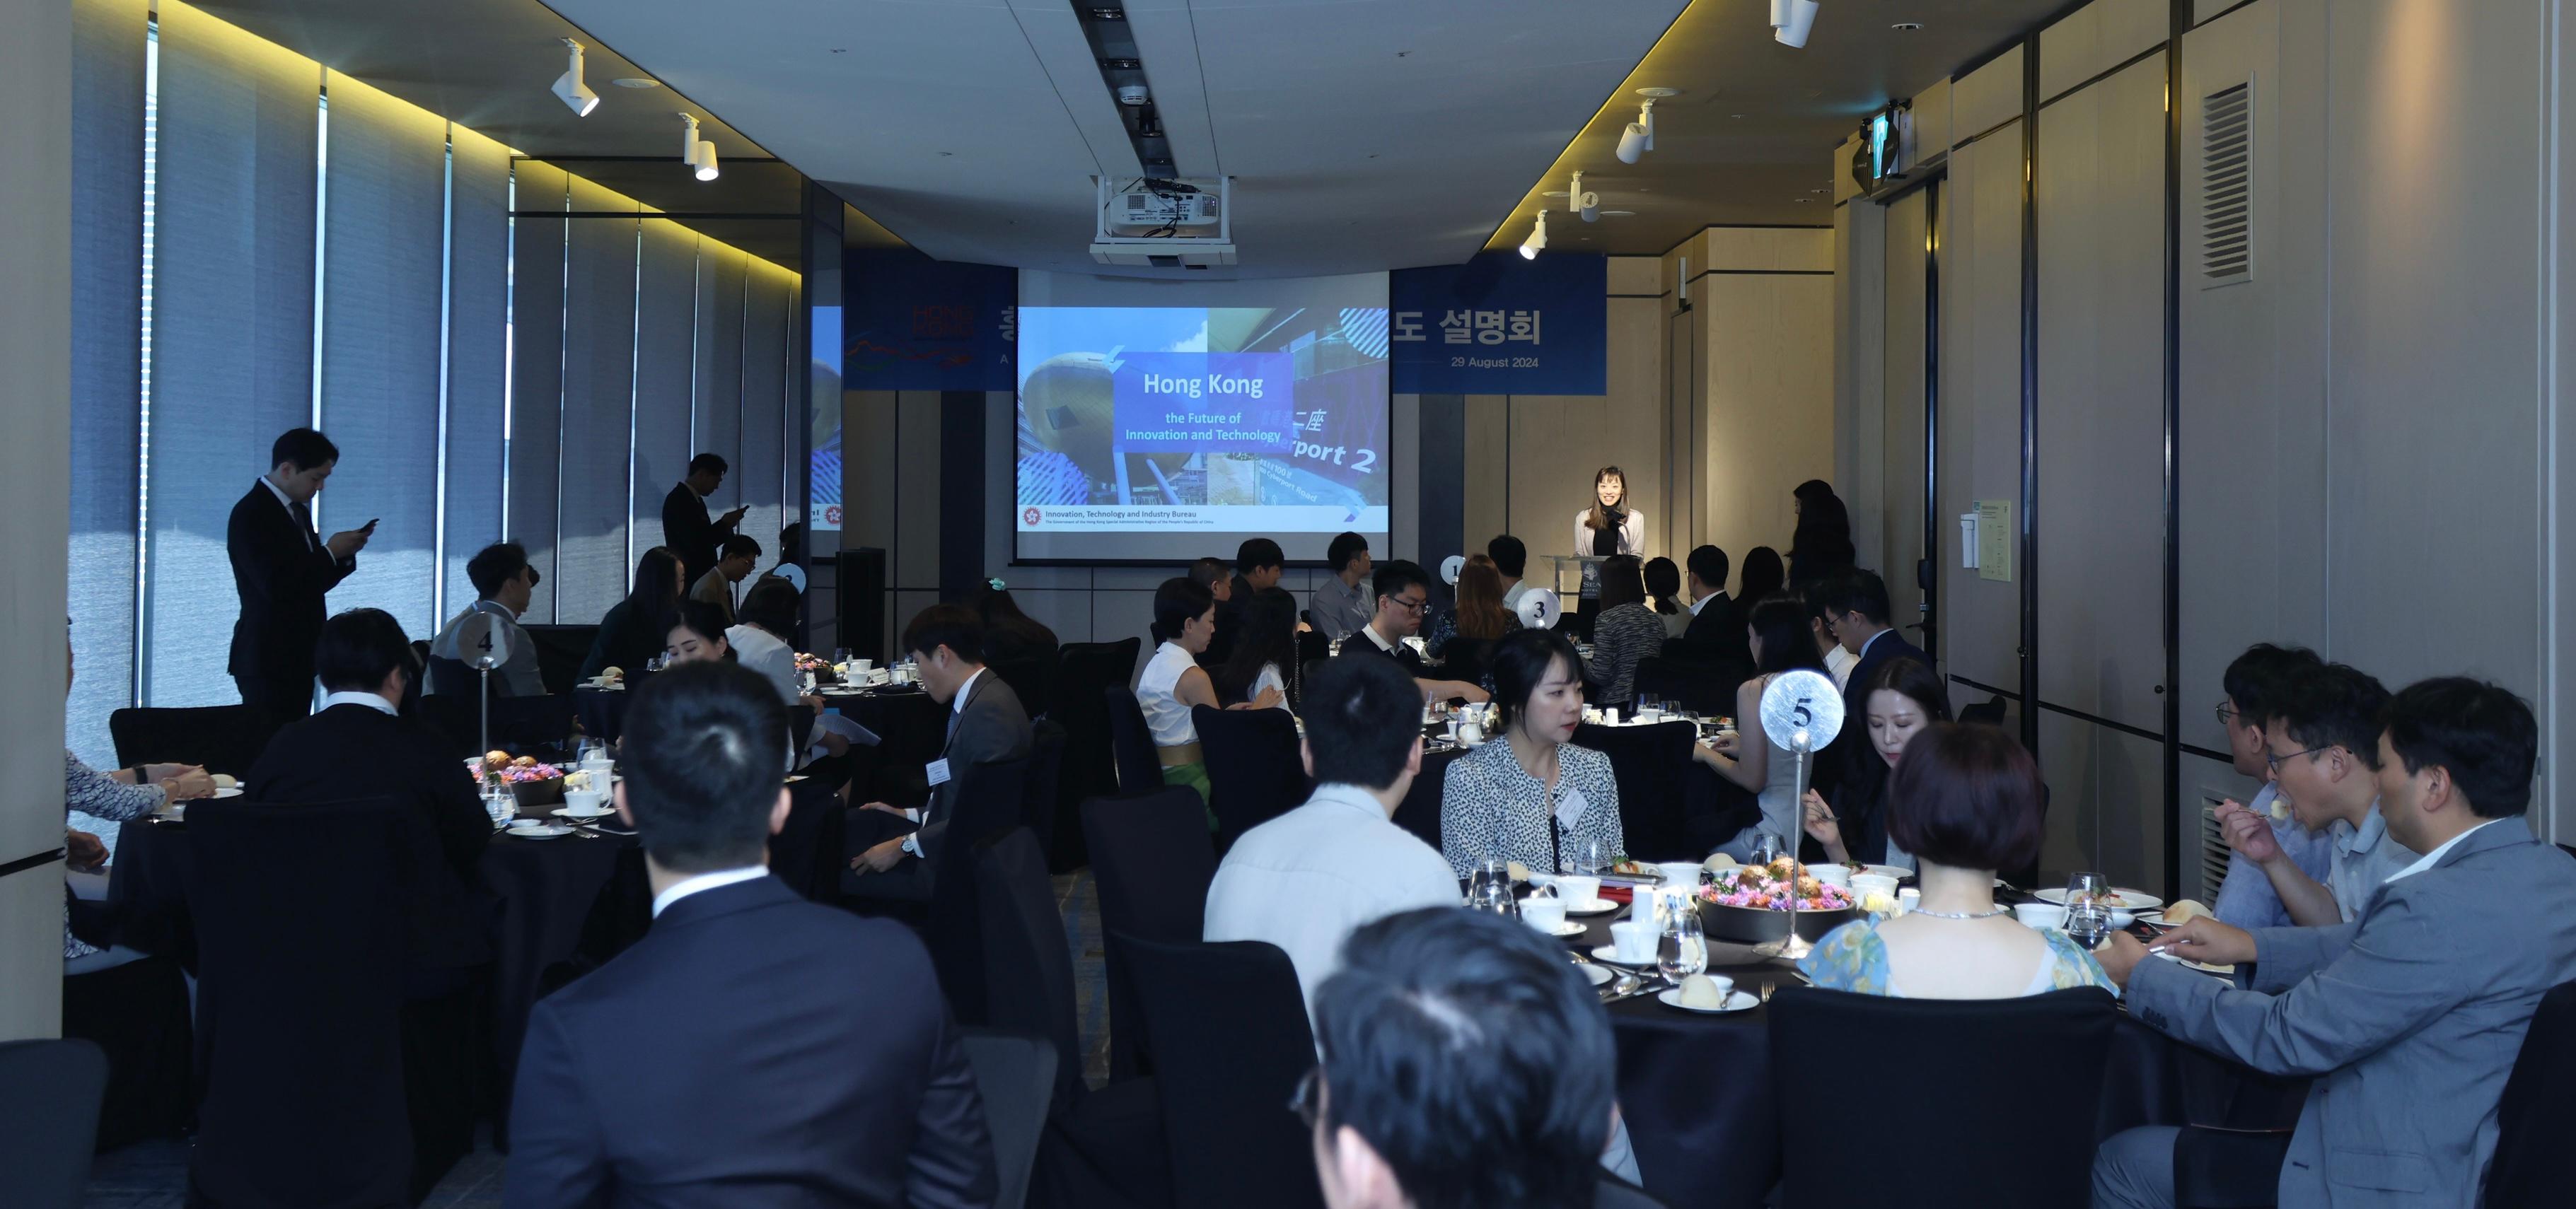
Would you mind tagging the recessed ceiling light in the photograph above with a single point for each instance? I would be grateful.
(1737, 116)
(636, 82)
(1907, 26)
(1659, 93)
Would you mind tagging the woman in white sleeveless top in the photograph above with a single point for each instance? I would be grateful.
(1777, 632)
(1172, 682)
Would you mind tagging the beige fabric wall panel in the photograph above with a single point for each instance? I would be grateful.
(1980, 415)
(1897, 544)
(1981, 99)
(1770, 408)
(2100, 438)
(1486, 509)
(2096, 38)
(1558, 441)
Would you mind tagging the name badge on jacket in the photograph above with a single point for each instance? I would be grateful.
(1569, 808)
(937, 773)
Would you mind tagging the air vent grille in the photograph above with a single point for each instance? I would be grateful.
(2227, 185)
(2213, 849)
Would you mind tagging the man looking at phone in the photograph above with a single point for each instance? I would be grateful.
(282, 569)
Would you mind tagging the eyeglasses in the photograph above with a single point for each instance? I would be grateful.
(2227, 714)
(1304, 1101)
(1414, 605)
(2275, 761)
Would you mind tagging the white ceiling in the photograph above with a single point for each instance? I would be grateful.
(1361, 134)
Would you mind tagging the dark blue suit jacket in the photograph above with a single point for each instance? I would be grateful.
(753, 1049)
(1889, 647)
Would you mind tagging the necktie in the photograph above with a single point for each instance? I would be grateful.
(304, 524)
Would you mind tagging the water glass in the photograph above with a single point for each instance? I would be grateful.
(1589, 857)
(1489, 887)
(1683, 949)
(499, 804)
(840, 656)
(1766, 849)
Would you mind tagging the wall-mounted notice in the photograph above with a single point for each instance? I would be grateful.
(1995, 535)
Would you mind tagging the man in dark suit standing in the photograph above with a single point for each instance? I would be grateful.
(358, 746)
(888, 855)
(1716, 630)
(281, 569)
(754, 1049)
(1855, 606)
(685, 527)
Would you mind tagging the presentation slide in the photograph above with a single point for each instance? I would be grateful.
(1162, 433)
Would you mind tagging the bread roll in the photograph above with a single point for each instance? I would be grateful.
(2185, 911)
(1699, 992)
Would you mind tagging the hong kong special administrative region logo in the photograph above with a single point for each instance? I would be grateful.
(1029, 517)
(832, 516)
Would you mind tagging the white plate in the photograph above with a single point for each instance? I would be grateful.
(232, 792)
(2202, 966)
(1736, 1001)
(546, 832)
(1611, 954)
(2134, 900)
(1600, 977)
(568, 812)
(1598, 906)
(1884, 871)
(1567, 929)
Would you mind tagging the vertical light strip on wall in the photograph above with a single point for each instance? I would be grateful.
(697, 316)
(509, 335)
(634, 388)
(143, 433)
(563, 361)
(446, 303)
(321, 229)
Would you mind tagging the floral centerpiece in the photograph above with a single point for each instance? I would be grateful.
(1750, 904)
(823, 670)
(535, 783)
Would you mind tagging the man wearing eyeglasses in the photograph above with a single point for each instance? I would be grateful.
(1403, 595)
(2256, 684)
(2322, 748)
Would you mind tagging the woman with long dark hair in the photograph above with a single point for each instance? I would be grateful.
(635, 629)
(1777, 632)
(1821, 544)
(1664, 595)
(1460, 637)
(1902, 698)
(1625, 634)
(1761, 577)
(1265, 654)
(1010, 635)
(1606, 529)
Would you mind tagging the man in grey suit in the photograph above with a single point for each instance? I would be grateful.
(2409, 1018)
(889, 856)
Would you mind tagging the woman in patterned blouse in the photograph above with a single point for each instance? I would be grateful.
(1626, 633)
(1533, 797)
(116, 798)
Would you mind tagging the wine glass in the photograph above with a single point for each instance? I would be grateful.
(1590, 857)
(1766, 849)
(840, 656)
(1683, 949)
(1489, 887)
(2088, 909)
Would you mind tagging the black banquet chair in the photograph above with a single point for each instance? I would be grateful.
(1046, 775)
(1082, 670)
(222, 738)
(49, 1099)
(1255, 770)
(1012, 1074)
(1140, 771)
(1652, 764)
(2535, 1115)
(1028, 964)
(1153, 863)
(987, 805)
(1226, 1027)
(2055, 1043)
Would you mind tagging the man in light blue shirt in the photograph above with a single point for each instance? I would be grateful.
(2256, 683)
(2322, 746)
(1343, 602)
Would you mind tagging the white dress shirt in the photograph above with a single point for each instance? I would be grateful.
(1305, 880)
(1840, 662)
(289, 505)
(372, 701)
(705, 881)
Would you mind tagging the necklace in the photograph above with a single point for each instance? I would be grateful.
(1961, 914)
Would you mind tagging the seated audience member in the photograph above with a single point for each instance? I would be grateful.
(1837, 659)
(2255, 683)
(697, 635)
(1217, 576)
(1777, 634)
(1463, 1063)
(1902, 698)
(1265, 655)
(986, 723)
(1511, 561)
(638, 628)
(1258, 564)
(117, 797)
(1966, 802)
(503, 578)
(1663, 594)
(2323, 750)
(1010, 636)
(1762, 577)
(752, 1048)
(1716, 626)
(1626, 632)
(1173, 681)
(1403, 591)
(1341, 606)
(1856, 612)
(357, 745)
(740, 555)
(760, 641)
(2409, 1017)
(1303, 880)
(1461, 636)
(1534, 797)
(791, 550)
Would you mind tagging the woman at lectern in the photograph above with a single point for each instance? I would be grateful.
(1608, 528)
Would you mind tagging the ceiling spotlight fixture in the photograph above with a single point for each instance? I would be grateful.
(697, 153)
(1639, 137)
(1907, 26)
(1586, 204)
(1792, 21)
(569, 87)
(1537, 241)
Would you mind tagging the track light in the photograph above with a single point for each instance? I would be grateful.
(569, 87)
(1792, 21)
(1537, 241)
(696, 152)
(1586, 204)
(1639, 137)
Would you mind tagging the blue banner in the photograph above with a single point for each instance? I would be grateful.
(913, 323)
(1501, 325)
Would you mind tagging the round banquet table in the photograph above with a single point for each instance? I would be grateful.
(910, 726)
(602, 711)
(1695, 1089)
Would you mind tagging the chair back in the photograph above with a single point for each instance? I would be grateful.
(1989, 712)
(560, 650)
(1045, 788)
(1028, 966)
(1082, 670)
(1611, 1194)
(1226, 1024)
(223, 738)
(1012, 1074)
(1140, 771)
(2055, 1044)
(300, 958)
(1151, 862)
(1652, 764)
(50, 1093)
(2535, 1117)
(806, 853)
(1695, 682)
(1032, 679)
(452, 678)
(1255, 771)
(1712, 1143)
(986, 804)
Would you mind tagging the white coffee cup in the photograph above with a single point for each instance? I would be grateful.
(1579, 892)
(1682, 874)
(1832, 875)
(2040, 915)
(1908, 901)
(1545, 912)
(583, 801)
(1633, 941)
(1865, 884)
(1610, 717)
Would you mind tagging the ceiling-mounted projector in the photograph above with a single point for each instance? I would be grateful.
(1151, 222)
(1139, 211)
